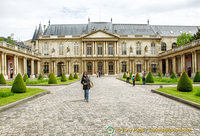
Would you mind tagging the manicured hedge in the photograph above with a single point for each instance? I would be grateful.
(71, 77)
(159, 75)
(40, 77)
(2, 79)
(149, 78)
(197, 77)
(124, 76)
(184, 84)
(63, 78)
(75, 76)
(18, 85)
(52, 79)
(173, 76)
(138, 77)
(25, 78)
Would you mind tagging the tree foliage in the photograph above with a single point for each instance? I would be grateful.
(25, 78)
(196, 36)
(71, 76)
(138, 77)
(197, 77)
(184, 38)
(18, 85)
(63, 78)
(2, 79)
(124, 76)
(184, 84)
(52, 79)
(75, 76)
(149, 78)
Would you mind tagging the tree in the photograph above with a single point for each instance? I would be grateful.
(1, 39)
(25, 78)
(196, 36)
(75, 76)
(18, 85)
(9, 40)
(124, 76)
(40, 77)
(197, 77)
(63, 78)
(149, 78)
(71, 77)
(2, 79)
(52, 79)
(138, 77)
(184, 84)
(184, 38)
(173, 76)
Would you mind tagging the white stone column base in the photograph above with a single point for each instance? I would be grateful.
(32, 76)
(105, 74)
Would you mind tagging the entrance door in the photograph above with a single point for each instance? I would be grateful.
(188, 63)
(60, 68)
(163, 67)
(110, 68)
(100, 66)
(89, 68)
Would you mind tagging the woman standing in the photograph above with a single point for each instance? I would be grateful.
(86, 85)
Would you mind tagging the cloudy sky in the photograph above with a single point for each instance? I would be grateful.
(22, 16)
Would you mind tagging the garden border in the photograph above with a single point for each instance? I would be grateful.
(8, 106)
(190, 103)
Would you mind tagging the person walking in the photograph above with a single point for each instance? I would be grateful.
(85, 81)
(99, 73)
(143, 78)
(127, 77)
(133, 79)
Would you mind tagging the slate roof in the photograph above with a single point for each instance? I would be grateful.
(122, 29)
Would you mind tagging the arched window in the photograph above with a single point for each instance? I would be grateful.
(124, 66)
(138, 48)
(174, 45)
(46, 67)
(153, 49)
(163, 46)
(123, 48)
(76, 49)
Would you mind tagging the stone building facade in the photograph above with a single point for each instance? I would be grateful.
(106, 47)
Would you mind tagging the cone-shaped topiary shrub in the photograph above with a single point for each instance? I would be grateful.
(75, 76)
(63, 78)
(159, 75)
(49, 75)
(173, 76)
(52, 79)
(71, 77)
(124, 76)
(2, 79)
(18, 85)
(197, 77)
(40, 77)
(184, 84)
(130, 75)
(137, 77)
(25, 78)
(149, 78)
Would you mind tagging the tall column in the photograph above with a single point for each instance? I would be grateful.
(69, 67)
(160, 66)
(5, 65)
(38, 67)
(17, 64)
(2, 63)
(145, 65)
(82, 48)
(93, 66)
(167, 67)
(82, 67)
(14, 66)
(104, 67)
(93, 49)
(130, 69)
(104, 48)
(174, 64)
(116, 43)
(195, 62)
(133, 65)
(183, 63)
(115, 67)
(32, 69)
(24, 65)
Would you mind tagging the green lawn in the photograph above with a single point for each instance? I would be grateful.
(43, 82)
(17, 96)
(185, 95)
(157, 80)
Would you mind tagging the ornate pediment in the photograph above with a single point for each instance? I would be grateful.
(100, 34)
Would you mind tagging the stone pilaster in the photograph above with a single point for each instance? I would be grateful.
(2, 63)
(38, 67)
(24, 65)
(32, 69)
(167, 67)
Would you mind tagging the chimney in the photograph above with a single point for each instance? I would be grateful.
(49, 22)
(148, 21)
(44, 27)
(111, 19)
(88, 20)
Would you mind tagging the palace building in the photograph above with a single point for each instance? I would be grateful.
(102, 46)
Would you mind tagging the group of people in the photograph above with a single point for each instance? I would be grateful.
(134, 78)
(98, 73)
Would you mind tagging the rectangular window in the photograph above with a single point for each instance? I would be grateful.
(100, 50)
(153, 49)
(139, 68)
(89, 49)
(76, 68)
(46, 67)
(138, 49)
(46, 50)
(110, 49)
(61, 49)
(153, 68)
(76, 50)
(124, 67)
(123, 48)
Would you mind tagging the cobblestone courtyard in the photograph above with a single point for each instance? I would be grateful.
(112, 103)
